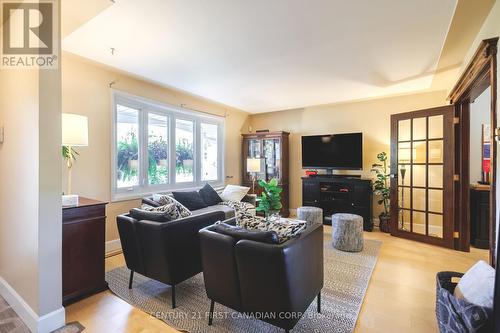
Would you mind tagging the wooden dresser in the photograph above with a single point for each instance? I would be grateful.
(83, 240)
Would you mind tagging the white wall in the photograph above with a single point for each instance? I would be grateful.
(480, 114)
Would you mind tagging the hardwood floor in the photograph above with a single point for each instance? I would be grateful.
(400, 296)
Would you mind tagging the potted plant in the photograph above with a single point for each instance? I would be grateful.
(184, 152)
(127, 157)
(381, 189)
(158, 150)
(270, 199)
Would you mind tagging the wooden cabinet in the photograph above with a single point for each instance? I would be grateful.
(272, 149)
(83, 240)
(480, 216)
(339, 195)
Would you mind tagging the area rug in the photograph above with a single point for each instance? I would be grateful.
(74, 327)
(11, 323)
(346, 280)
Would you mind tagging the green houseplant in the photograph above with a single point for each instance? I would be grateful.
(69, 154)
(382, 190)
(127, 157)
(270, 199)
(184, 157)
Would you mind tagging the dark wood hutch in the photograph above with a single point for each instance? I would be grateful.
(272, 149)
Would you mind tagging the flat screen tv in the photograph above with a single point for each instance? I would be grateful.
(333, 151)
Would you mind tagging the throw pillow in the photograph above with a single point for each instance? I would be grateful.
(242, 209)
(164, 199)
(140, 214)
(191, 200)
(171, 210)
(234, 193)
(209, 195)
(286, 229)
(239, 233)
(477, 285)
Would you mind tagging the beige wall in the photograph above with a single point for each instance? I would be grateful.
(370, 117)
(18, 180)
(86, 91)
(490, 29)
(30, 202)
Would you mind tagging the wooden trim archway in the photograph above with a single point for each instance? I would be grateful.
(480, 74)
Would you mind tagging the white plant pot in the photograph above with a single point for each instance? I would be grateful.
(133, 164)
(187, 163)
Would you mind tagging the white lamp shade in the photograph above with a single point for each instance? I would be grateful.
(75, 130)
(253, 165)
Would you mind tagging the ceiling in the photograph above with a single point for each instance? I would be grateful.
(262, 55)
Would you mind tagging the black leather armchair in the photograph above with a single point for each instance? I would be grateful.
(168, 252)
(259, 278)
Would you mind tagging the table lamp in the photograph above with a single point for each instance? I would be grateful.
(74, 134)
(253, 167)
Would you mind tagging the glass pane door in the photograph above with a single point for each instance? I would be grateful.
(272, 156)
(255, 161)
(254, 148)
(420, 186)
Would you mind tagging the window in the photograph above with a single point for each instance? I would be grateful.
(158, 147)
(184, 150)
(127, 144)
(209, 152)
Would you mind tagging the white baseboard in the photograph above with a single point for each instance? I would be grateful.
(44, 324)
(113, 245)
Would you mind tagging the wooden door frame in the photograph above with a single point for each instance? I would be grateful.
(448, 140)
(480, 74)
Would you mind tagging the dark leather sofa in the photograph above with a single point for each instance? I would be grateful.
(168, 252)
(229, 212)
(259, 278)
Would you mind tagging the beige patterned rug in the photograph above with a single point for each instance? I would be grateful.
(346, 280)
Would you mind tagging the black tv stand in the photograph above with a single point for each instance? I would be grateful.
(330, 175)
(339, 194)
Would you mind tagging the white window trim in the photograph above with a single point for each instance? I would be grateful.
(173, 112)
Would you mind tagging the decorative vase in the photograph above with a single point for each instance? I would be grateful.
(384, 225)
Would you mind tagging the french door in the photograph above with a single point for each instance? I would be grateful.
(422, 160)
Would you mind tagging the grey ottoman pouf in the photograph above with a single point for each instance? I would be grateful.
(347, 232)
(311, 215)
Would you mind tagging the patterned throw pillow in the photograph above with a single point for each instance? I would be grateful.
(163, 200)
(243, 210)
(171, 210)
(286, 229)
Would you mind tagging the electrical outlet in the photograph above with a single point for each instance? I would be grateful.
(1, 134)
